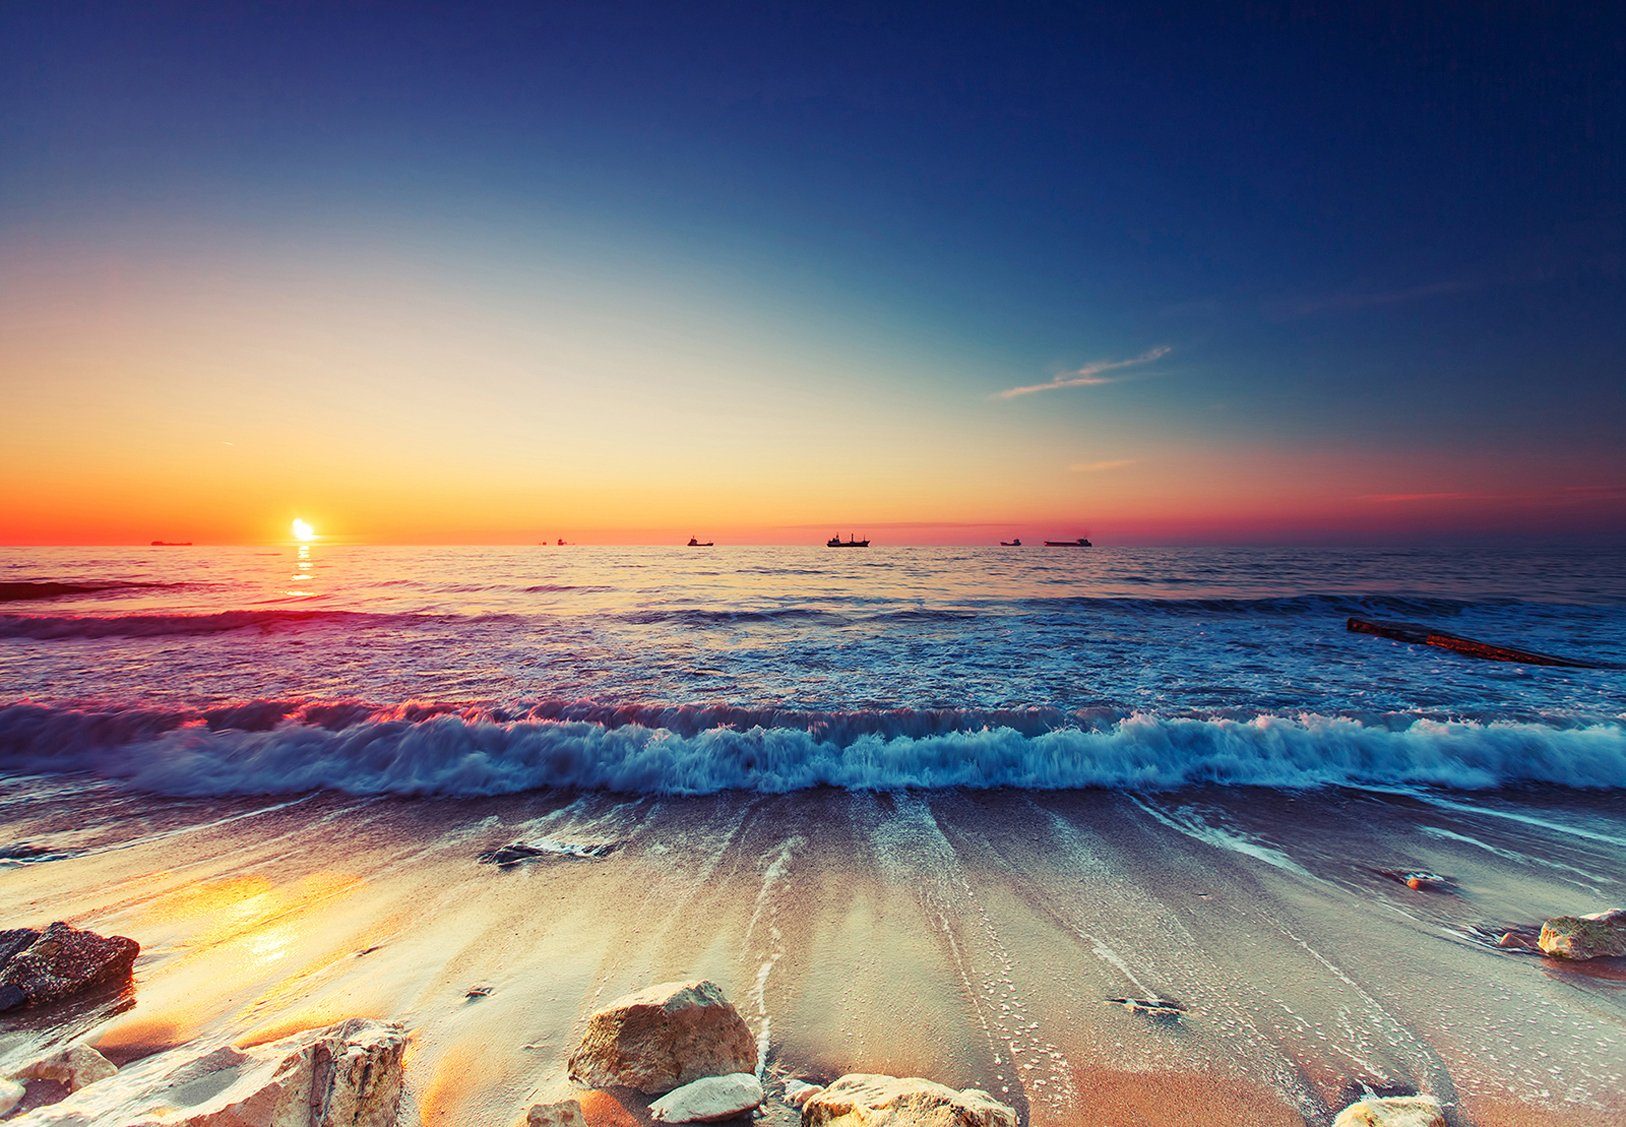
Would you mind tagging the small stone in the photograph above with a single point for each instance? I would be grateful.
(72, 1065)
(868, 1100)
(1158, 1009)
(709, 1099)
(662, 1038)
(560, 1111)
(517, 852)
(798, 1092)
(1392, 1111)
(1598, 936)
(1418, 880)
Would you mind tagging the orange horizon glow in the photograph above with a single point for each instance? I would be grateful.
(381, 403)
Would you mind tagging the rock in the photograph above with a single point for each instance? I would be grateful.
(798, 1092)
(516, 852)
(11, 1093)
(14, 940)
(62, 961)
(1598, 936)
(560, 1111)
(1392, 1111)
(1158, 1009)
(662, 1038)
(709, 1099)
(1419, 880)
(866, 1100)
(72, 1066)
(346, 1075)
(1421, 635)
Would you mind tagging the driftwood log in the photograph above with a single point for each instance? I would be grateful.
(1428, 636)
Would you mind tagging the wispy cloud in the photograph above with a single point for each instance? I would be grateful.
(1093, 374)
(1101, 467)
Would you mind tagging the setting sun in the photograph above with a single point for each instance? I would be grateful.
(302, 531)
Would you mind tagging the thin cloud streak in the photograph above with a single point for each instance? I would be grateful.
(1093, 374)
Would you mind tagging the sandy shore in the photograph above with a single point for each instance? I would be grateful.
(969, 937)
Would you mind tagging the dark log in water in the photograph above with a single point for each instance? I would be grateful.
(1421, 635)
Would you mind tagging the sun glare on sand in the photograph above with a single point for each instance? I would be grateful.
(302, 531)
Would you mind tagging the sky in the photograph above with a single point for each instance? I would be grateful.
(760, 272)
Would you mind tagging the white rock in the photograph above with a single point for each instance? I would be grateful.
(1601, 935)
(867, 1100)
(71, 1065)
(798, 1092)
(709, 1099)
(1392, 1111)
(662, 1038)
(346, 1075)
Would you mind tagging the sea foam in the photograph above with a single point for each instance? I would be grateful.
(427, 749)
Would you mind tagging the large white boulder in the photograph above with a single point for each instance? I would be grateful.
(346, 1075)
(662, 1038)
(868, 1100)
(1598, 936)
(709, 1099)
(1392, 1111)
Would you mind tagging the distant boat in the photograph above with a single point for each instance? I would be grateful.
(172, 543)
(1081, 542)
(851, 542)
(693, 543)
(1017, 543)
(562, 542)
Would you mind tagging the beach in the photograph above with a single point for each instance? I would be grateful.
(970, 937)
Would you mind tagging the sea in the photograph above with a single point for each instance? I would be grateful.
(671, 670)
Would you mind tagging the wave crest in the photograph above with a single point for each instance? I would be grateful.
(421, 749)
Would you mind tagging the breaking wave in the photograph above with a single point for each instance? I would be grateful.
(280, 747)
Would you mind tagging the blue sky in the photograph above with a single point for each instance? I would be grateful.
(1385, 244)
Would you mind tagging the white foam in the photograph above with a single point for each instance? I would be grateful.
(468, 755)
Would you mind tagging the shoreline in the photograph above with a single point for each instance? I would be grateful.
(969, 937)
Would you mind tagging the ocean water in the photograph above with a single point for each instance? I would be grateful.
(473, 671)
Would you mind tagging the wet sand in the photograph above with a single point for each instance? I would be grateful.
(972, 937)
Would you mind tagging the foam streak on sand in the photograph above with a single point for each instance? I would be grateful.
(1191, 822)
(767, 906)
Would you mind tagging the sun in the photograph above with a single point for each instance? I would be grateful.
(302, 531)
